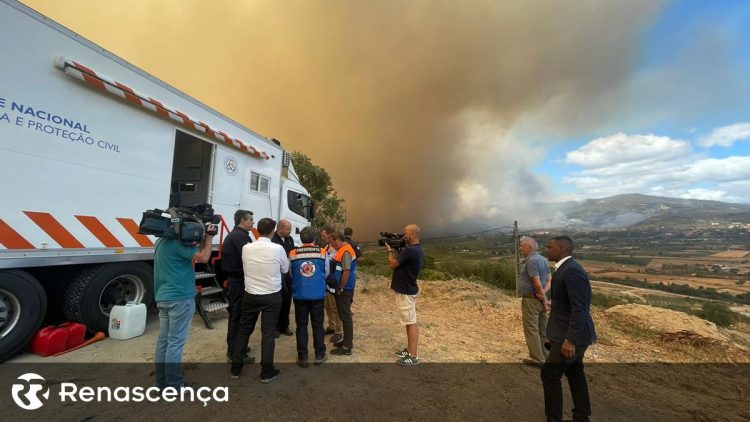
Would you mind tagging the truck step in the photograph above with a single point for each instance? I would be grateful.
(215, 306)
(202, 275)
(206, 291)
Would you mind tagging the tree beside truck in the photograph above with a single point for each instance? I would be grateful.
(89, 142)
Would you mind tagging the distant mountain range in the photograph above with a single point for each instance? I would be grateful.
(635, 209)
(628, 210)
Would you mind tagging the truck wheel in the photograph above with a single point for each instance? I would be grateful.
(94, 291)
(23, 304)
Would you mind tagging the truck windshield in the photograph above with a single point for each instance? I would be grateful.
(299, 204)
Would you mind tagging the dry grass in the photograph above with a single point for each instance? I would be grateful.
(720, 284)
(462, 321)
(731, 254)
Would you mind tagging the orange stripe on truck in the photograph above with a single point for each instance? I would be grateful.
(11, 239)
(54, 229)
(132, 227)
(97, 229)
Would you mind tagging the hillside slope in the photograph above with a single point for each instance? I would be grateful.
(630, 209)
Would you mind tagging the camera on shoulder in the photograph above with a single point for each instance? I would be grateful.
(187, 224)
(395, 241)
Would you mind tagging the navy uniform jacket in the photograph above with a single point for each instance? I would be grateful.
(571, 299)
(231, 251)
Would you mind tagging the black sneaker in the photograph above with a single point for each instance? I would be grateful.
(336, 338)
(339, 343)
(302, 363)
(408, 360)
(234, 376)
(287, 332)
(329, 331)
(319, 361)
(342, 351)
(246, 359)
(270, 377)
(402, 353)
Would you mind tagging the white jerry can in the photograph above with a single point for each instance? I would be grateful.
(127, 321)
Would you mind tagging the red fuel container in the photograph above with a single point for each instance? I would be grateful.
(49, 341)
(76, 333)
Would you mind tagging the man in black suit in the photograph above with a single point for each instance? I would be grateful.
(570, 331)
(283, 237)
(231, 263)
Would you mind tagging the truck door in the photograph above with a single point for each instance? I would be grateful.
(295, 208)
(228, 183)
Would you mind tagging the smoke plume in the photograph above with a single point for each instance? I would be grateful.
(408, 105)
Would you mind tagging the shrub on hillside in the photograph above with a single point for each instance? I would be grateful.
(364, 261)
(604, 301)
(496, 273)
(428, 274)
(429, 262)
(718, 313)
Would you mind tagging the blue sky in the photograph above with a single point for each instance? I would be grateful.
(703, 48)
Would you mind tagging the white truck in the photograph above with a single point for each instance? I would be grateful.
(88, 142)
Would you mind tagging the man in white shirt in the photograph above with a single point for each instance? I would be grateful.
(263, 263)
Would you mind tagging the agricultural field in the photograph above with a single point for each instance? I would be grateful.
(667, 267)
(609, 271)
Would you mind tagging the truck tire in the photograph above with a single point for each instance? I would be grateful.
(95, 290)
(23, 305)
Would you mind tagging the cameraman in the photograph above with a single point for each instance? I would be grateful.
(406, 267)
(174, 284)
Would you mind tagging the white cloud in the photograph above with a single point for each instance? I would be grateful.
(726, 136)
(656, 165)
(701, 193)
(621, 149)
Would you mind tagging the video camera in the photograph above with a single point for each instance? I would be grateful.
(395, 241)
(188, 224)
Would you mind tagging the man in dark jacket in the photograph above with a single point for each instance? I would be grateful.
(231, 263)
(348, 232)
(570, 331)
(282, 237)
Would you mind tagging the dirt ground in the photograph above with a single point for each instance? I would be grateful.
(471, 346)
(460, 322)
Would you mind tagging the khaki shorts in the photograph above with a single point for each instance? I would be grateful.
(407, 306)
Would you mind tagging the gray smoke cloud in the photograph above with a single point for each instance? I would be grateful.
(408, 105)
